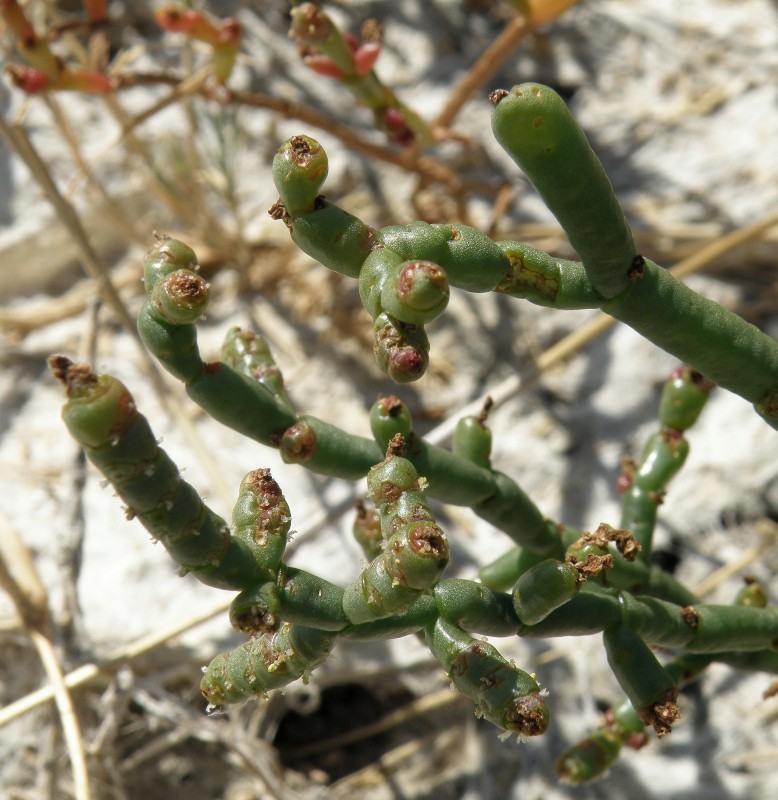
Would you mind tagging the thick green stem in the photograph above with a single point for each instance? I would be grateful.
(698, 628)
(508, 697)
(721, 345)
(267, 662)
(537, 130)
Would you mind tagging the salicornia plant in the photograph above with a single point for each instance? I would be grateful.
(555, 580)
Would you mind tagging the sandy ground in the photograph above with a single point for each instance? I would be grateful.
(681, 105)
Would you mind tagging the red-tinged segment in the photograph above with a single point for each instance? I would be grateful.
(175, 19)
(321, 64)
(397, 128)
(406, 364)
(28, 79)
(365, 57)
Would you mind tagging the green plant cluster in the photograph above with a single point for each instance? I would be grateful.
(555, 580)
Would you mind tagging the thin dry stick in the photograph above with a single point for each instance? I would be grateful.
(88, 672)
(255, 754)
(181, 88)
(111, 206)
(39, 313)
(70, 727)
(426, 166)
(489, 62)
(20, 580)
(18, 141)
(139, 148)
(435, 745)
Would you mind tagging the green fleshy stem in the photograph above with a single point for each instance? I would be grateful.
(388, 481)
(261, 519)
(389, 416)
(592, 757)
(174, 346)
(475, 608)
(684, 395)
(471, 260)
(166, 256)
(421, 613)
(412, 561)
(698, 628)
(721, 345)
(239, 403)
(226, 395)
(505, 695)
(512, 511)
(506, 569)
(662, 458)
(248, 353)
(415, 551)
(267, 662)
(473, 440)
(633, 576)
(295, 596)
(752, 594)
(537, 130)
(546, 280)
(101, 415)
(454, 478)
(639, 508)
(180, 297)
(249, 408)
(333, 237)
(414, 292)
(299, 170)
(638, 577)
(543, 588)
(649, 687)
(327, 450)
(367, 531)
(755, 660)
